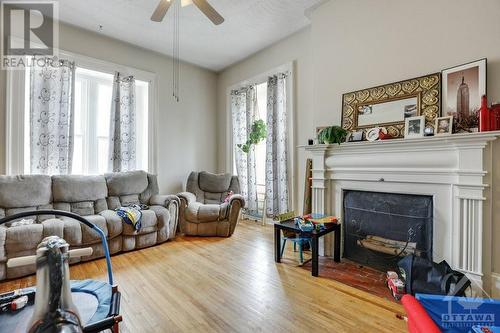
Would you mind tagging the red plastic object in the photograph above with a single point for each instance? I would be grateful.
(484, 115)
(495, 117)
(418, 319)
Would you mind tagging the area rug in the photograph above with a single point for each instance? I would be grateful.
(354, 275)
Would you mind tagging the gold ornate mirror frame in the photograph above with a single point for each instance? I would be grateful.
(426, 89)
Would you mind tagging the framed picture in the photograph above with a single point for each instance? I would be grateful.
(390, 104)
(463, 87)
(444, 125)
(414, 127)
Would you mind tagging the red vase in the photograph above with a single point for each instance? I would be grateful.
(484, 115)
(495, 117)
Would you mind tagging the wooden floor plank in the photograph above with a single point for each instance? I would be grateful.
(232, 285)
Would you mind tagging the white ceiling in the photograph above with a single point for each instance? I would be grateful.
(250, 26)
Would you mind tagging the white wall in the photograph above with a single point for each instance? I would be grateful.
(363, 43)
(296, 48)
(354, 44)
(187, 130)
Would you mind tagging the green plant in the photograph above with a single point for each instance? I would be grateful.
(258, 133)
(333, 134)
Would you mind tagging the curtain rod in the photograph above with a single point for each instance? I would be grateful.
(245, 87)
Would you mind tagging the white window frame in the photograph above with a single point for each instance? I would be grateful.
(15, 101)
(288, 68)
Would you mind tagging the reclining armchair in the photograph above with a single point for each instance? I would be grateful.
(207, 207)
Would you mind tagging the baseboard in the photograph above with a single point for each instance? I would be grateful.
(495, 285)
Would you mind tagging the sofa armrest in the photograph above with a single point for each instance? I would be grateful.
(163, 200)
(172, 203)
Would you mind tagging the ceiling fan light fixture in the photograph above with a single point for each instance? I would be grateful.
(185, 3)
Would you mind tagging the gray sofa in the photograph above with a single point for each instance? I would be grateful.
(204, 210)
(95, 198)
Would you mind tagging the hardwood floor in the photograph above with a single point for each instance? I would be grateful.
(232, 285)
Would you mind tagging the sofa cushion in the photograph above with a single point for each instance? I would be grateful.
(209, 182)
(90, 236)
(23, 238)
(78, 188)
(113, 222)
(198, 212)
(72, 231)
(124, 183)
(25, 191)
(53, 227)
(215, 198)
(149, 224)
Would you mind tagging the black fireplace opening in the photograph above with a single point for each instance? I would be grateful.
(382, 228)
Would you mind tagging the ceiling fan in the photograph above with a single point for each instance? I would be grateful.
(202, 5)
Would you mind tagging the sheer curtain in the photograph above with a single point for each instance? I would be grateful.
(52, 116)
(277, 200)
(122, 145)
(243, 109)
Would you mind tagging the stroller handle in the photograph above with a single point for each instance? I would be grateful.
(73, 216)
(29, 260)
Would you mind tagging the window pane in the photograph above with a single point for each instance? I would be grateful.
(78, 156)
(260, 149)
(78, 107)
(102, 155)
(142, 105)
(103, 109)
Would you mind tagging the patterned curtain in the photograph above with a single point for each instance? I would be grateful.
(52, 87)
(276, 147)
(122, 145)
(243, 108)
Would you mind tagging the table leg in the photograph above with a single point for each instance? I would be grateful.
(336, 254)
(315, 255)
(277, 244)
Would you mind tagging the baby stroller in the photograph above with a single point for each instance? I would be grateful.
(60, 305)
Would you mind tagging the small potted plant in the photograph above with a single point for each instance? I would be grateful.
(332, 134)
(258, 133)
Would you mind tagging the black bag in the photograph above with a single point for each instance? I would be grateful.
(421, 275)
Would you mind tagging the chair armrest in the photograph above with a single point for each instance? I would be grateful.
(164, 200)
(237, 197)
(186, 198)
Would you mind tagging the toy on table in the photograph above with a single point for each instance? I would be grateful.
(395, 285)
(304, 225)
(320, 218)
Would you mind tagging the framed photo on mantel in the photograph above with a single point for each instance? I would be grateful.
(463, 87)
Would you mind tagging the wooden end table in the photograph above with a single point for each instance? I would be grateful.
(315, 235)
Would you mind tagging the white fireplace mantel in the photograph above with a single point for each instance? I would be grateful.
(455, 170)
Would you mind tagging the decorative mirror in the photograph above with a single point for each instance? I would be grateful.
(389, 105)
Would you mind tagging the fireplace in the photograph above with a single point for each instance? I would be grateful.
(381, 228)
(456, 171)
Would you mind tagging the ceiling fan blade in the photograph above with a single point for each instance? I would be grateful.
(161, 10)
(209, 11)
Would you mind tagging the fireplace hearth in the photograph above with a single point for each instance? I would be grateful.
(381, 228)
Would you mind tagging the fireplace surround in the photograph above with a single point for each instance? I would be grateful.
(456, 171)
